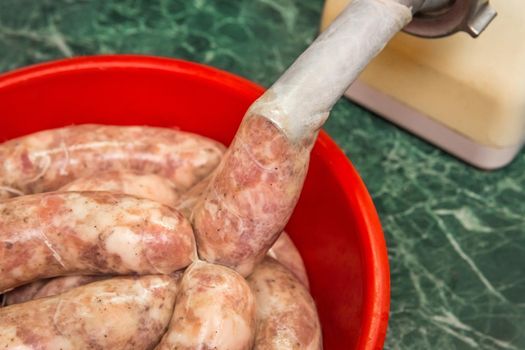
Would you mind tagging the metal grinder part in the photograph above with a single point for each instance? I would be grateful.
(439, 18)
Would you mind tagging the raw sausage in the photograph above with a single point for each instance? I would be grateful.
(47, 287)
(286, 313)
(118, 313)
(148, 186)
(215, 309)
(285, 252)
(64, 233)
(251, 195)
(46, 160)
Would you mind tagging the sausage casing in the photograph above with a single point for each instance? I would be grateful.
(283, 250)
(47, 160)
(251, 196)
(64, 233)
(215, 309)
(118, 313)
(148, 186)
(286, 313)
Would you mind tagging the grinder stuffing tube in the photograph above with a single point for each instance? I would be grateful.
(256, 186)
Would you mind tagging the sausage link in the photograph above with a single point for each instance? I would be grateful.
(150, 186)
(286, 313)
(47, 160)
(285, 252)
(118, 313)
(215, 309)
(251, 195)
(64, 233)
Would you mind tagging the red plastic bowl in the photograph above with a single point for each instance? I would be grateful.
(335, 225)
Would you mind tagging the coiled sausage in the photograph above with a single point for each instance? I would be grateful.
(251, 195)
(118, 313)
(286, 313)
(215, 309)
(47, 160)
(64, 233)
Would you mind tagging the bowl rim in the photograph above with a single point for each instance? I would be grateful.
(373, 247)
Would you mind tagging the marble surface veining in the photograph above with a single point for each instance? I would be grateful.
(456, 235)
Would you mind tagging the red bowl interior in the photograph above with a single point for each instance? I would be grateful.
(335, 225)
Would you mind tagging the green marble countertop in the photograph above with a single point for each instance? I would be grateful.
(456, 235)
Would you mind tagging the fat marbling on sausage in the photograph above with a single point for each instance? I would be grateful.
(215, 309)
(251, 195)
(114, 314)
(46, 160)
(64, 233)
(286, 313)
